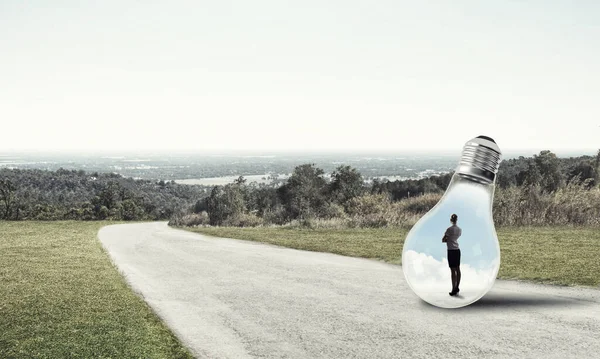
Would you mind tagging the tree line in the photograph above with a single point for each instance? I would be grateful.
(535, 187)
(68, 194)
(308, 195)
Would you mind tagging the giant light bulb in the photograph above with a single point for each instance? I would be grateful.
(469, 195)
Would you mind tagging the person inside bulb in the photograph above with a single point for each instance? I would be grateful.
(451, 239)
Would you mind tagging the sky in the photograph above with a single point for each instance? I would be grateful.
(478, 241)
(298, 76)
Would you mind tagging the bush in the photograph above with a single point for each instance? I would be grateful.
(226, 203)
(130, 210)
(318, 223)
(421, 204)
(573, 204)
(277, 215)
(103, 213)
(244, 220)
(333, 210)
(507, 206)
(369, 204)
(373, 211)
(46, 213)
(190, 220)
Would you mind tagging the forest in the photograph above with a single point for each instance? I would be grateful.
(31, 194)
(538, 190)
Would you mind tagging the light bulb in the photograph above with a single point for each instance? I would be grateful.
(469, 195)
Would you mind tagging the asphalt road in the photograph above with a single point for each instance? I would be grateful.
(236, 299)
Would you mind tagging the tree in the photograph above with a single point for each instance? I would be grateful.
(7, 196)
(512, 172)
(549, 167)
(442, 181)
(504, 180)
(346, 183)
(263, 200)
(73, 194)
(225, 202)
(110, 194)
(200, 206)
(399, 190)
(240, 180)
(303, 193)
(597, 168)
(102, 213)
(130, 210)
(529, 177)
(376, 186)
(583, 171)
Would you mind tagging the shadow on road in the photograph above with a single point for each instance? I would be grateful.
(492, 302)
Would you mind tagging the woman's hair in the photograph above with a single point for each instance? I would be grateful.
(453, 218)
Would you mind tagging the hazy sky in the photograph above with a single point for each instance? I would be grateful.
(282, 75)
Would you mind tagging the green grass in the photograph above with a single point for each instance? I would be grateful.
(553, 255)
(379, 243)
(556, 255)
(60, 296)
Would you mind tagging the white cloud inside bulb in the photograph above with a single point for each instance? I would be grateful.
(427, 274)
(479, 212)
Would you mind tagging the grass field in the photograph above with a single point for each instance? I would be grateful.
(556, 255)
(60, 297)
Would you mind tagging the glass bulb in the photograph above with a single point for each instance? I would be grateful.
(469, 195)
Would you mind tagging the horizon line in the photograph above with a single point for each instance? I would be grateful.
(274, 151)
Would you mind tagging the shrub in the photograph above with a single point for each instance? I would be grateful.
(573, 204)
(190, 220)
(374, 210)
(421, 204)
(103, 213)
(244, 220)
(369, 204)
(319, 223)
(333, 210)
(278, 215)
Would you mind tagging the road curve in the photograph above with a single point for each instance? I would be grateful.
(228, 298)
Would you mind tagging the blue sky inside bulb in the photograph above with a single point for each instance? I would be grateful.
(424, 256)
